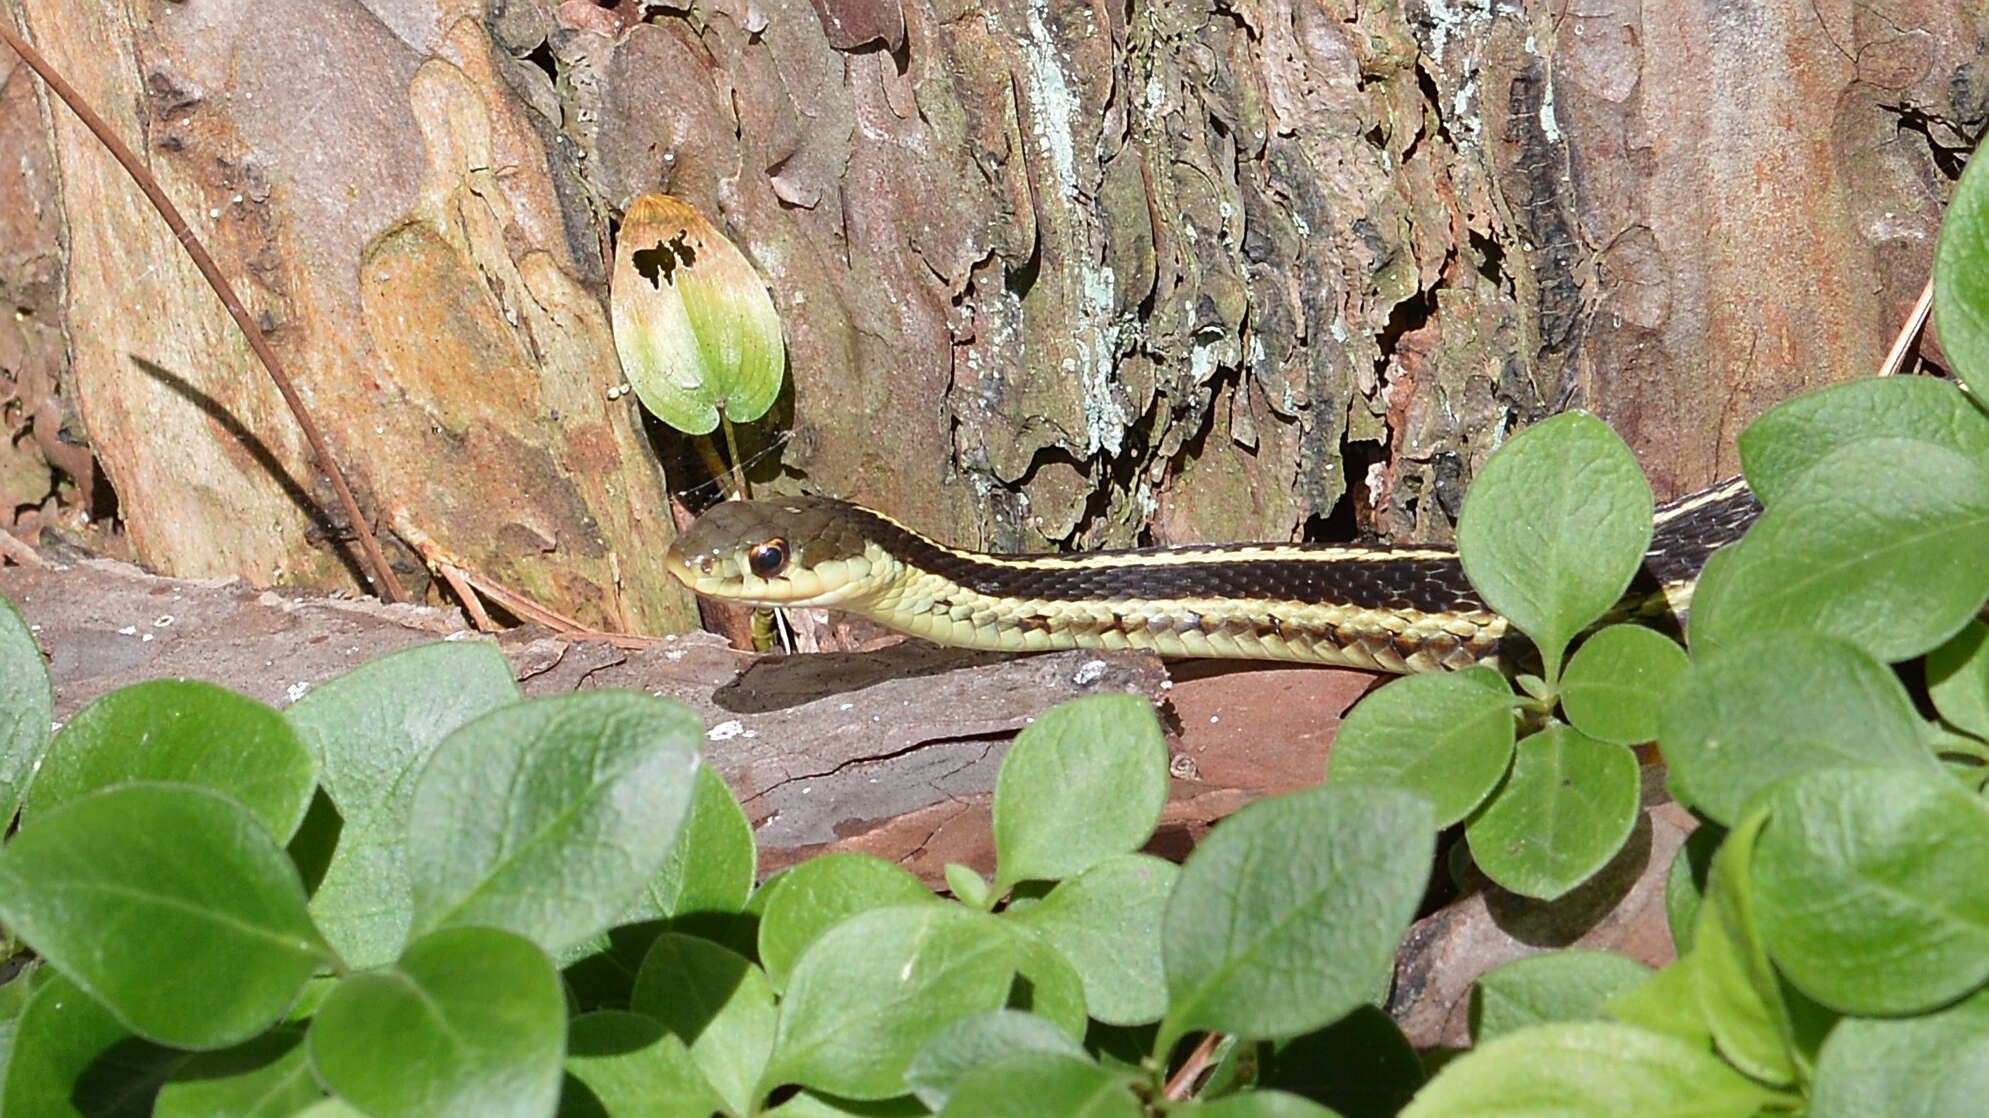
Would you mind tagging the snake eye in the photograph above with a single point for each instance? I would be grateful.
(768, 559)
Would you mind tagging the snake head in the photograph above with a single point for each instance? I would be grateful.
(789, 551)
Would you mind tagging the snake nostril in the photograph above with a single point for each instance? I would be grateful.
(704, 564)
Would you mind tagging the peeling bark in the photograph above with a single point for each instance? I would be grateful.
(1112, 274)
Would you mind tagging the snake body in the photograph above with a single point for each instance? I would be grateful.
(1404, 609)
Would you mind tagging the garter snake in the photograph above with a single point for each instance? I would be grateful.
(1405, 609)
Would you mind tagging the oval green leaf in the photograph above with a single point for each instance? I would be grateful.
(1448, 738)
(1106, 921)
(181, 731)
(1085, 781)
(371, 730)
(1044, 1083)
(1563, 813)
(1289, 913)
(820, 893)
(981, 1039)
(1256, 1104)
(1870, 890)
(1739, 995)
(1588, 1068)
(696, 331)
(620, 1063)
(171, 905)
(264, 1077)
(468, 1021)
(1569, 985)
(547, 817)
(1798, 433)
(1880, 542)
(27, 707)
(1778, 704)
(72, 1059)
(1617, 681)
(712, 866)
(1958, 679)
(718, 1003)
(1554, 527)
(1912, 1067)
(1961, 279)
(870, 992)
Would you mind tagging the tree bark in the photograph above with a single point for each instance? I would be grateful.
(1112, 274)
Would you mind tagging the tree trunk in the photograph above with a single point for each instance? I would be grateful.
(1111, 273)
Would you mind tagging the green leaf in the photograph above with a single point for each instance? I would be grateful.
(1685, 882)
(1667, 1002)
(711, 867)
(1447, 738)
(71, 1058)
(1565, 811)
(1779, 704)
(1958, 679)
(264, 1077)
(983, 1038)
(696, 331)
(1740, 996)
(718, 1003)
(1568, 985)
(1931, 1066)
(1588, 1069)
(371, 730)
(547, 817)
(625, 1064)
(1045, 982)
(1879, 542)
(1797, 433)
(27, 707)
(1285, 916)
(869, 992)
(1707, 594)
(1870, 888)
(1106, 921)
(1617, 681)
(1043, 1085)
(813, 1104)
(968, 887)
(181, 731)
(818, 894)
(1554, 527)
(1256, 1104)
(1086, 781)
(170, 904)
(468, 1021)
(14, 1001)
(1361, 1065)
(1961, 279)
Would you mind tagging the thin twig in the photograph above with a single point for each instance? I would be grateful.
(469, 585)
(1183, 1082)
(1909, 334)
(373, 561)
(17, 549)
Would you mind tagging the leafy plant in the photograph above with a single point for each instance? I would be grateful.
(1835, 946)
(489, 851)
(548, 907)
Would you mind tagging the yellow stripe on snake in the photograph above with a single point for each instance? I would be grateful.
(1385, 609)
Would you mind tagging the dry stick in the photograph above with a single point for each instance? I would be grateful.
(1183, 1082)
(468, 585)
(374, 562)
(1909, 334)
